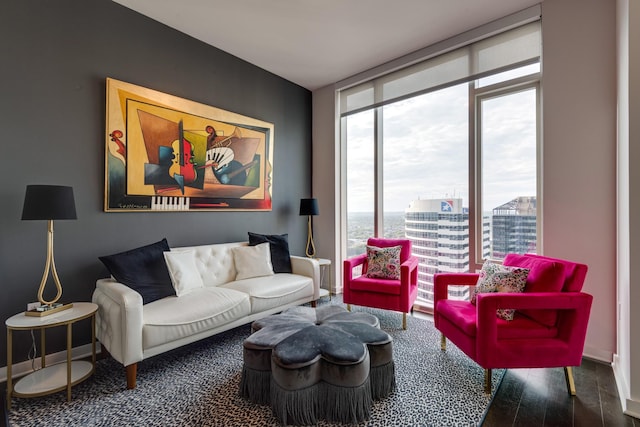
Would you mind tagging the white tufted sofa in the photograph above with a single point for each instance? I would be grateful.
(132, 332)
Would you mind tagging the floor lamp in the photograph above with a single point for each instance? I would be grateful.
(49, 202)
(309, 207)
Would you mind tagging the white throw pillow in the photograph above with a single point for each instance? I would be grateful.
(183, 271)
(252, 261)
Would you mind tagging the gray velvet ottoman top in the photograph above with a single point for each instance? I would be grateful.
(324, 363)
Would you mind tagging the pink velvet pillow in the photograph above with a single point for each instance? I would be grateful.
(544, 276)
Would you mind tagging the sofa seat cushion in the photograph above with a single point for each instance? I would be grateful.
(273, 291)
(173, 318)
(463, 314)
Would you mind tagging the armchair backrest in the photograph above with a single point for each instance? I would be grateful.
(574, 273)
(405, 252)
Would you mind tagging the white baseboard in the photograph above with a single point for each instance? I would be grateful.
(23, 368)
(630, 406)
(598, 354)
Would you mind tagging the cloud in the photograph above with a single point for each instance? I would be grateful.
(425, 150)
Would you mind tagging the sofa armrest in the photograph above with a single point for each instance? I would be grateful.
(307, 267)
(119, 320)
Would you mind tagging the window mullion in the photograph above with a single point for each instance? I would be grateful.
(378, 217)
(475, 195)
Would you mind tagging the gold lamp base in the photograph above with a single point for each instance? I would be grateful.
(49, 307)
(311, 248)
(45, 310)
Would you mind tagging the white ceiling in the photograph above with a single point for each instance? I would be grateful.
(314, 43)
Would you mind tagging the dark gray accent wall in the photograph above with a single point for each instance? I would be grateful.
(54, 59)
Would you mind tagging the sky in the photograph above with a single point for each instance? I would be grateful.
(425, 150)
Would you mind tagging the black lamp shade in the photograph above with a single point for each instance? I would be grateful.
(44, 202)
(309, 207)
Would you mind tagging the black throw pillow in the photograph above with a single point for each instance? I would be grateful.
(279, 245)
(142, 269)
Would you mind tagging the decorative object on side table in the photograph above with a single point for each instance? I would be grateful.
(309, 207)
(49, 202)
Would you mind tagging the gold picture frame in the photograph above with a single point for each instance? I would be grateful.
(165, 153)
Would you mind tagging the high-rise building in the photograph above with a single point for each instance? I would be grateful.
(514, 227)
(439, 234)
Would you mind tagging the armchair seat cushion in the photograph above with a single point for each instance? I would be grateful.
(366, 284)
(463, 314)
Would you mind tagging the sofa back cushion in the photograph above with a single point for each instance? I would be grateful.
(214, 262)
(545, 275)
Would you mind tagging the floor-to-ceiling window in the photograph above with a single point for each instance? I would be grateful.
(451, 165)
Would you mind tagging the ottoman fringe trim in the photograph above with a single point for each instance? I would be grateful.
(346, 405)
(383, 380)
(296, 407)
(255, 385)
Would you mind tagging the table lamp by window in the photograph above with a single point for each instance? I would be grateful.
(49, 202)
(309, 207)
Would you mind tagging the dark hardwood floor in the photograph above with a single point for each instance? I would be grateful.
(538, 397)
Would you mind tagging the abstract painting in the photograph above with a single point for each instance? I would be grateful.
(165, 153)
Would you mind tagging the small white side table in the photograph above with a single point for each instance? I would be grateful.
(60, 376)
(325, 264)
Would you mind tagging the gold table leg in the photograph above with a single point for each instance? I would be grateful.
(9, 363)
(69, 340)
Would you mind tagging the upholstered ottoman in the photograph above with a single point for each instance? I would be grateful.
(325, 363)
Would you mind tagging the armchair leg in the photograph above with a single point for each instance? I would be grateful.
(568, 376)
(404, 321)
(487, 381)
(348, 307)
(443, 342)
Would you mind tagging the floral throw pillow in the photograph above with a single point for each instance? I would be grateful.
(383, 263)
(501, 278)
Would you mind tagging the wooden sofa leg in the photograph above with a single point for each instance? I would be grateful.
(443, 342)
(348, 307)
(404, 321)
(568, 376)
(487, 381)
(314, 304)
(132, 371)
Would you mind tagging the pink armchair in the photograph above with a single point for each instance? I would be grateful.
(548, 329)
(387, 294)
